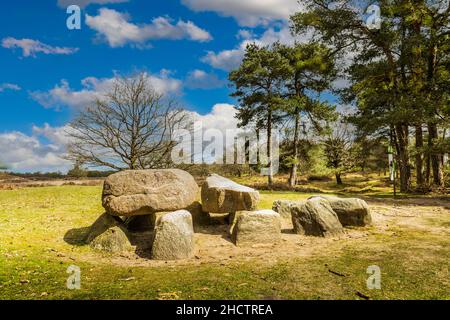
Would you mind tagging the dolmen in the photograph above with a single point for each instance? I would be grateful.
(164, 205)
(155, 201)
(324, 216)
(248, 226)
(162, 208)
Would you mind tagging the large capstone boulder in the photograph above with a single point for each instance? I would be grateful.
(221, 195)
(350, 211)
(142, 192)
(315, 218)
(256, 227)
(174, 237)
(108, 234)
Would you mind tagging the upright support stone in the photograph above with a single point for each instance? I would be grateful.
(108, 234)
(315, 218)
(257, 227)
(174, 237)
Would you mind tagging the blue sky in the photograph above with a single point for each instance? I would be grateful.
(187, 46)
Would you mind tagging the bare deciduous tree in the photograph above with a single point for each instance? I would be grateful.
(130, 127)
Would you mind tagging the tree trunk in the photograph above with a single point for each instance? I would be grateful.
(258, 156)
(338, 179)
(293, 176)
(428, 162)
(436, 158)
(401, 132)
(419, 157)
(269, 148)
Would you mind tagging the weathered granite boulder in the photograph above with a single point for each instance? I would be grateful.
(221, 195)
(283, 207)
(350, 211)
(113, 240)
(142, 192)
(108, 234)
(174, 237)
(315, 218)
(101, 225)
(256, 227)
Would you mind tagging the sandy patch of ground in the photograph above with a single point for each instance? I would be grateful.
(214, 246)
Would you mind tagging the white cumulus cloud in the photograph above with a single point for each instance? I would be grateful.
(94, 88)
(117, 30)
(85, 3)
(199, 79)
(32, 47)
(27, 153)
(221, 117)
(248, 12)
(9, 86)
(229, 60)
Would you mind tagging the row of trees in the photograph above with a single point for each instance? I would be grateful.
(398, 82)
(399, 77)
(281, 83)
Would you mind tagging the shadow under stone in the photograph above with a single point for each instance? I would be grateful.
(287, 231)
(143, 242)
(220, 230)
(77, 236)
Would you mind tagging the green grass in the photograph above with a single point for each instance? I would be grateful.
(268, 197)
(34, 258)
(368, 185)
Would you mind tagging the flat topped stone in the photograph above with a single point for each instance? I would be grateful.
(221, 195)
(216, 181)
(142, 192)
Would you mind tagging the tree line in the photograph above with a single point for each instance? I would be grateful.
(398, 82)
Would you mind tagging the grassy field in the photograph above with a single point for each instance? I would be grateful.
(414, 257)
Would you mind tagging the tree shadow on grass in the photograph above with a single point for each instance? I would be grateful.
(141, 241)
